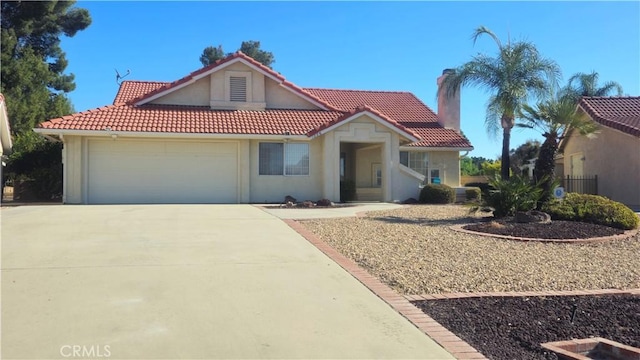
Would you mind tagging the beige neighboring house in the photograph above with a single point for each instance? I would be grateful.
(5, 133)
(614, 154)
(238, 132)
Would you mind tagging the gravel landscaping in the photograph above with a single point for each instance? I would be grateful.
(413, 250)
(514, 328)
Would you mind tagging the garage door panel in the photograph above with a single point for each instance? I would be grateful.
(127, 171)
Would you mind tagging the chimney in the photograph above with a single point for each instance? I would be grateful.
(448, 106)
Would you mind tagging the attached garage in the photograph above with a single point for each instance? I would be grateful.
(123, 171)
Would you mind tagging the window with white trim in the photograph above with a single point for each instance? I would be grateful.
(283, 159)
(416, 161)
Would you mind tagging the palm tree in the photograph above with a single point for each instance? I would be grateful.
(517, 72)
(581, 84)
(554, 118)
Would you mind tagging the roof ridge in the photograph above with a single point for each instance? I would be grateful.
(610, 97)
(146, 81)
(360, 90)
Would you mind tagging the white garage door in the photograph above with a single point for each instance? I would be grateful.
(147, 172)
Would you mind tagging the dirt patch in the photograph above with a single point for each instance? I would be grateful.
(514, 328)
(554, 230)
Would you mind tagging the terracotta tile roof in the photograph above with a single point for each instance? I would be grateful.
(203, 120)
(621, 113)
(433, 135)
(400, 106)
(130, 90)
(401, 109)
(361, 109)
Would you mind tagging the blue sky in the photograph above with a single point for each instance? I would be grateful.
(401, 46)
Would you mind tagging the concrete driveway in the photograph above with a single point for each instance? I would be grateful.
(184, 282)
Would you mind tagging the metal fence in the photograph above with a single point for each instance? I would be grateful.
(581, 184)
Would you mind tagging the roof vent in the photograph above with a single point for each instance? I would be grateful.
(238, 88)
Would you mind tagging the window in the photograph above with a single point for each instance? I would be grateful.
(416, 161)
(376, 175)
(435, 176)
(238, 88)
(283, 159)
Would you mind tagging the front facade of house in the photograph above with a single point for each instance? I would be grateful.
(613, 154)
(238, 132)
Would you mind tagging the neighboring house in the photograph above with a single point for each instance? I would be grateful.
(5, 131)
(238, 132)
(5, 139)
(613, 154)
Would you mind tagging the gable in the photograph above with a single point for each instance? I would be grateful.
(237, 82)
(196, 94)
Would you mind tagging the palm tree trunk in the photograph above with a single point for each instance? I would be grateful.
(506, 141)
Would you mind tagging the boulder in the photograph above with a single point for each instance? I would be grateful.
(532, 216)
(324, 202)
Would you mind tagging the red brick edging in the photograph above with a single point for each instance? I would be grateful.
(522, 293)
(626, 235)
(445, 338)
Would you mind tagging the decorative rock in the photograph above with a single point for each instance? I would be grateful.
(532, 216)
(324, 202)
(307, 204)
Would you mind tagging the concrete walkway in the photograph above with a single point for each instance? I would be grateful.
(323, 213)
(184, 282)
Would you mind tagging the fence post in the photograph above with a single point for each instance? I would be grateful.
(596, 183)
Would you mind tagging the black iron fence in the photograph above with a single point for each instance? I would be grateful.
(581, 184)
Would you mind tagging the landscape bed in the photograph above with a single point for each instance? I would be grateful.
(413, 250)
(514, 327)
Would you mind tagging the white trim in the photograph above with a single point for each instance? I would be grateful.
(424, 148)
(220, 67)
(411, 172)
(60, 132)
(375, 117)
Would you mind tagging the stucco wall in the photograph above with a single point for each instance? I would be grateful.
(196, 94)
(73, 167)
(278, 97)
(273, 188)
(449, 164)
(615, 157)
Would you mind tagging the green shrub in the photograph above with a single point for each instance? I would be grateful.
(515, 194)
(437, 194)
(472, 194)
(347, 190)
(593, 209)
(484, 187)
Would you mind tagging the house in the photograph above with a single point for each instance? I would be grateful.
(238, 132)
(614, 154)
(5, 130)
(5, 139)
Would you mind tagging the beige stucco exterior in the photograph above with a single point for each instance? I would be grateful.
(369, 143)
(612, 155)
